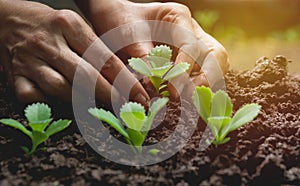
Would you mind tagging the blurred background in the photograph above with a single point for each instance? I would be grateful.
(248, 29)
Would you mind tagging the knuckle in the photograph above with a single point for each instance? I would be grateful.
(52, 84)
(110, 64)
(65, 18)
(26, 94)
(179, 9)
(222, 54)
(56, 84)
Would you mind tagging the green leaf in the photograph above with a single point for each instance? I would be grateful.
(157, 62)
(140, 66)
(176, 71)
(17, 125)
(158, 105)
(160, 71)
(40, 126)
(244, 115)
(160, 56)
(221, 104)
(38, 113)
(25, 149)
(57, 126)
(133, 114)
(110, 119)
(153, 110)
(216, 124)
(156, 82)
(202, 101)
(38, 138)
(163, 87)
(136, 137)
(153, 152)
(165, 93)
(220, 142)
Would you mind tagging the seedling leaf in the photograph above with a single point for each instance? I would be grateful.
(38, 116)
(17, 125)
(153, 152)
(216, 110)
(109, 118)
(160, 56)
(153, 110)
(161, 68)
(37, 113)
(57, 126)
(40, 126)
(133, 114)
(244, 115)
(165, 93)
(221, 104)
(38, 138)
(140, 66)
(25, 149)
(176, 71)
(156, 82)
(216, 124)
(202, 101)
(220, 142)
(160, 71)
(136, 137)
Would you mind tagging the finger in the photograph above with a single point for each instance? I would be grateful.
(26, 91)
(52, 83)
(83, 40)
(200, 80)
(68, 63)
(139, 50)
(184, 38)
(214, 59)
(183, 34)
(5, 64)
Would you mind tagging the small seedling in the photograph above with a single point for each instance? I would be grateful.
(137, 122)
(161, 68)
(39, 118)
(216, 109)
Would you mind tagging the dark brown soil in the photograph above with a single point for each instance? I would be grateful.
(264, 152)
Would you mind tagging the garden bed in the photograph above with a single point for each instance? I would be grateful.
(266, 151)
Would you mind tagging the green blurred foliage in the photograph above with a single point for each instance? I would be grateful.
(289, 35)
(209, 21)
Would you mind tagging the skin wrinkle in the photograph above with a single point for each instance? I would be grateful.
(39, 40)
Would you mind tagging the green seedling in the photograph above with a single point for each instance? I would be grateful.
(39, 118)
(161, 68)
(137, 122)
(216, 109)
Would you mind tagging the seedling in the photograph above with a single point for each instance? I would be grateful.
(161, 68)
(216, 110)
(39, 118)
(137, 122)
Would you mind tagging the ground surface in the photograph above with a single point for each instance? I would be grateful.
(265, 152)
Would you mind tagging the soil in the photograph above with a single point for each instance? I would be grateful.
(264, 152)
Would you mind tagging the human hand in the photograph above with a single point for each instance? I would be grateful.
(40, 50)
(207, 58)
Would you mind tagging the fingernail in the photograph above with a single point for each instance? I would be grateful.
(141, 99)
